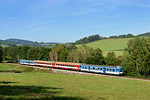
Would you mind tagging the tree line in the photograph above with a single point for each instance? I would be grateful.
(123, 36)
(88, 39)
(15, 53)
(135, 60)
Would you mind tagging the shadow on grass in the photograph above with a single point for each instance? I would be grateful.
(51, 98)
(25, 90)
(8, 92)
(117, 50)
(7, 82)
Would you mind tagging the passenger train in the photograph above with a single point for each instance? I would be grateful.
(115, 70)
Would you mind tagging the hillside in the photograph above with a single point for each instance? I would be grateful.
(144, 34)
(107, 45)
(13, 42)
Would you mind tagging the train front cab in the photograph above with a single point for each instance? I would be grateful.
(120, 70)
(115, 71)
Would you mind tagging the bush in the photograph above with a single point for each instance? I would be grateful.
(29, 69)
(14, 71)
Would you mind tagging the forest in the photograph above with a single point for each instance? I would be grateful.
(135, 60)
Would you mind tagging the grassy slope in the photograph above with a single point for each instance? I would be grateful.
(39, 85)
(7, 67)
(4, 45)
(107, 45)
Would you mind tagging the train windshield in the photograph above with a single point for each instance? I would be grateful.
(121, 70)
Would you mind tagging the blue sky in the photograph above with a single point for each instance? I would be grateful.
(70, 20)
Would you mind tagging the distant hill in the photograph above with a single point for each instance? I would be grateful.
(144, 34)
(13, 42)
(86, 40)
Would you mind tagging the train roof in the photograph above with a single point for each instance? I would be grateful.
(70, 63)
(26, 60)
(40, 61)
(101, 66)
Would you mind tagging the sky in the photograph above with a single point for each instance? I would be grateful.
(70, 20)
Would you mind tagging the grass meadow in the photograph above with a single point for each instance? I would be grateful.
(7, 67)
(42, 85)
(4, 45)
(116, 45)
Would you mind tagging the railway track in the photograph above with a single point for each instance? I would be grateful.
(74, 72)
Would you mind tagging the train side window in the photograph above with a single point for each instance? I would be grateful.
(101, 68)
(85, 67)
(107, 69)
(110, 69)
(91, 67)
(113, 69)
(98, 68)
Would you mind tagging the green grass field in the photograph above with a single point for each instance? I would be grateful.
(7, 67)
(108, 45)
(4, 45)
(40, 85)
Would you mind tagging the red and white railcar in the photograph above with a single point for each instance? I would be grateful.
(68, 65)
(44, 63)
(64, 65)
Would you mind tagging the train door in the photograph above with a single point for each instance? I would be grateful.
(104, 70)
(53, 64)
(79, 67)
(89, 68)
(29, 63)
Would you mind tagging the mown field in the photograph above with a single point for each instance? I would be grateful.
(4, 45)
(42, 85)
(7, 67)
(116, 45)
